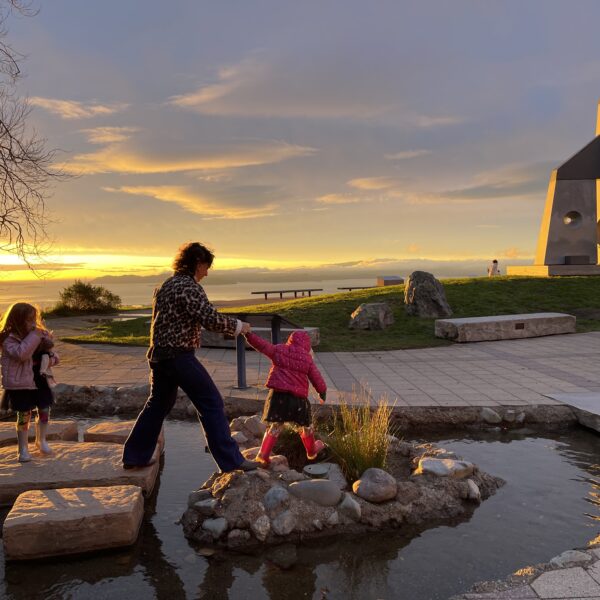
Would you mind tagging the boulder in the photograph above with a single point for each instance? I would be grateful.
(216, 527)
(239, 437)
(255, 426)
(319, 491)
(275, 498)
(65, 430)
(206, 507)
(424, 296)
(372, 316)
(116, 432)
(375, 485)
(237, 538)
(198, 496)
(93, 464)
(261, 527)
(489, 415)
(55, 522)
(445, 467)
(571, 558)
(474, 493)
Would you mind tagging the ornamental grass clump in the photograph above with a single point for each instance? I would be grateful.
(359, 438)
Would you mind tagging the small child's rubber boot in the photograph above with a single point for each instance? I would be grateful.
(312, 445)
(23, 444)
(266, 447)
(41, 429)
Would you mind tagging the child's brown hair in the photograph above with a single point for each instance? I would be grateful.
(14, 320)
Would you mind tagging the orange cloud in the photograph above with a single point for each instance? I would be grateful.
(71, 109)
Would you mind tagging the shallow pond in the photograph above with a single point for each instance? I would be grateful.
(547, 506)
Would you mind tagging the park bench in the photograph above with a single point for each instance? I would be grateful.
(356, 287)
(295, 292)
(504, 327)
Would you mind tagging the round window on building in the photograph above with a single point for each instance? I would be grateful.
(572, 219)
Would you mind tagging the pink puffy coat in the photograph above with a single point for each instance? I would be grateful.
(293, 366)
(17, 363)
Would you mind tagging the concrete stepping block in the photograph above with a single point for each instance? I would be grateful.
(58, 430)
(92, 464)
(46, 523)
(116, 432)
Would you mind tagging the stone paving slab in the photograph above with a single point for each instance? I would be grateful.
(116, 432)
(73, 464)
(65, 430)
(586, 406)
(566, 583)
(45, 523)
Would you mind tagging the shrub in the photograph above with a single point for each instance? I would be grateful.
(83, 297)
(359, 437)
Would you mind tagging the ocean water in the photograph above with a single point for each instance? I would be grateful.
(45, 293)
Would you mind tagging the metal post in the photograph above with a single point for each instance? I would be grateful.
(276, 329)
(240, 350)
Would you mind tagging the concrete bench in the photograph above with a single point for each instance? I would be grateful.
(46, 523)
(504, 327)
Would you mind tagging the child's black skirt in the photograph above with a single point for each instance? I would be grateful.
(284, 407)
(26, 400)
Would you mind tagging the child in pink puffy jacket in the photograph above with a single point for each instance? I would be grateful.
(291, 371)
(25, 345)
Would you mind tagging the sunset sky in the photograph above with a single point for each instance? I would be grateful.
(287, 133)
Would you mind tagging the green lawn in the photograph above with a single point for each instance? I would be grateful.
(467, 297)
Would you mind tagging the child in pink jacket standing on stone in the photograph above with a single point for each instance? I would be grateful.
(22, 334)
(291, 371)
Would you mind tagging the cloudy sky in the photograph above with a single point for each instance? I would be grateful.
(286, 133)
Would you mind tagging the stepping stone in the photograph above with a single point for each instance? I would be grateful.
(72, 520)
(58, 430)
(115, 432)
(92, 464)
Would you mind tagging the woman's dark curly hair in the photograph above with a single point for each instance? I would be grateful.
(189, 256)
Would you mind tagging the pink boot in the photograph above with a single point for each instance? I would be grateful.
(266, 448)
(313, 446)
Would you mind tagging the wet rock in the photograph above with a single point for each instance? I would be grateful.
(206, 507)
(445, 467)
(261, 527)
(216, 527)
(571, 558)
(238, 538)
(510, 416)
(424, 296)
(350, 507)
(284, 523)
(489, 415)
(520, 418)
(319, 491)
(197, 496)
(317, 524)
(372, 316)
(284, 556)
(474, 493)
(375, 485)
(275, 498)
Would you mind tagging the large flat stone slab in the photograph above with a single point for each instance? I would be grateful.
(115, 432)
(504, 327)
(46, 523)
(585, 405)
(65, 430)
(91, 464)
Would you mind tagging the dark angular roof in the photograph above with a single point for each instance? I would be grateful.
(583, 165)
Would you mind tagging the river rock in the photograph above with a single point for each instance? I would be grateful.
(71, 521)
(571, 558)
(489, 415)
(239, 437)
(284, 523)
(375, 485)
(424, 296)
(237, 538)
(275, 498)
(474, 493)
(291, 476)
(320, 491)
(65, 430)
(255, 426)
(372, 316)
(350, 507)
(333, 519)
(216, 527)
(261, 527)
(197, 496)
(206, 507)
(445, 467)
(92, 464)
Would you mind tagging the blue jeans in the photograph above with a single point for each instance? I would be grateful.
(186, 372)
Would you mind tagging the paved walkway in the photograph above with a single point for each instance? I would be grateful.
(512, 372)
